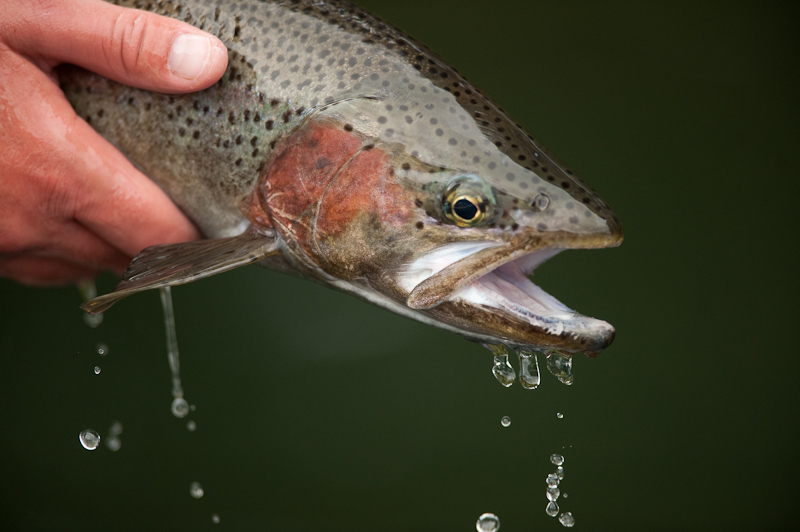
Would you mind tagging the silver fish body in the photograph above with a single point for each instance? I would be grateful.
(337, 148)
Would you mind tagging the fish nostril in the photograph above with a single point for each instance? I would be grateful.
(540, 202)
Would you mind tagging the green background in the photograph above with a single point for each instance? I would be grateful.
(317, 411)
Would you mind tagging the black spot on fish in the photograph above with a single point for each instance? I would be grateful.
(238, 139)
(196, 135)
(420, 225)
(238, 162)
(348, 127)
(232, 117)
(254, 141)
(269, 124)
(181, 131)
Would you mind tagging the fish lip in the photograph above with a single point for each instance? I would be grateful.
(541, 322)
(495, 280)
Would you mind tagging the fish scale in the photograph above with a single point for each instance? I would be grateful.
(338, 148)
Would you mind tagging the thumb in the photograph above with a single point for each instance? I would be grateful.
(130, 46)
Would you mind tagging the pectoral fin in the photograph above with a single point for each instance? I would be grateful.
(172, 264)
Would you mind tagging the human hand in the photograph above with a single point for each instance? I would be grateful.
(71, 205)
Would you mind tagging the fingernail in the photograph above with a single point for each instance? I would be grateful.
(189, 55)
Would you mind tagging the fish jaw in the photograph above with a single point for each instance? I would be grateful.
(487, 293)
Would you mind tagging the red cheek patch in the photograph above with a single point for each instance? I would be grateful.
(324, 178)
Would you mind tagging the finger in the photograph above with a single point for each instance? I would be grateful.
(133, 47)
(72, 173)
(43, 271)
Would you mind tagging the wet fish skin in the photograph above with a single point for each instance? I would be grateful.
(344, 144)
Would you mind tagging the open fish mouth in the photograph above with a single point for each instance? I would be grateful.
(517, 312)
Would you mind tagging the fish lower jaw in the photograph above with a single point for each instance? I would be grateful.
(509, 290)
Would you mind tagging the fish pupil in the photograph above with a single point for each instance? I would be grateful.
(465, 209)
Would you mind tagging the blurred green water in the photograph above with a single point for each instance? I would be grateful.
(316, 411)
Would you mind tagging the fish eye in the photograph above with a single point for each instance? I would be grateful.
(467, 201)
(464, 210)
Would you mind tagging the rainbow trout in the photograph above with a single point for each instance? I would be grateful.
(339, 149)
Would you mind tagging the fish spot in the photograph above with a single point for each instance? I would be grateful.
(452, 142)
(238, 162)
(434, 121)
(541, 227)
(409, 119)
(238, 139)
(348, 127)
(196, 135)
(510, 176)
(420, 225)
(573, 219)
(406, 166)
(382, 119)
(182, 131)
(439, 132)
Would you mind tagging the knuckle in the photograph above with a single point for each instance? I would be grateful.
(128, 40)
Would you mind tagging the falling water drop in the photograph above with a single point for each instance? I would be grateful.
(488, 523)
(553, 493)
(556, 459)
(90, 439)
(113, 442)
(561, 366)
(559, 415)
(560, 473)
(552, 480)
(180, 408)
(506, 421)
(567, 519)
(102, 349)
(88, 291)
(191, 426)
(552, 509)
(97, 370)
(502, 369)
(215, 519)
(528, 370)
(196, 490)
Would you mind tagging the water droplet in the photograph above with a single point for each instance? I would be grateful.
(102, 349)
(553, 493)
(501, 369)
(561, 366)
(567, 520)
(559, 415)
(552, 480)
(215, 519)
(88, 290)
(560, 472)
(565, 495)
(193, 408)
(488, 523)
(196, 490)
(180, 408)
(528, 370)
(97, 370)
(192, 426)
(90, 439)
(556, 459)
(93, 320)
(552, 509)
(506, 421)
(113, 443)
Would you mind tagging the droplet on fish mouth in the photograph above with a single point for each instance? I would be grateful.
(560, 366)
(502, 369)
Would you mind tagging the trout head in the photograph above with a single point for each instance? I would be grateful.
(447, 240)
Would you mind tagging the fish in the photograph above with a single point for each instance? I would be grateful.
(339, 149)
